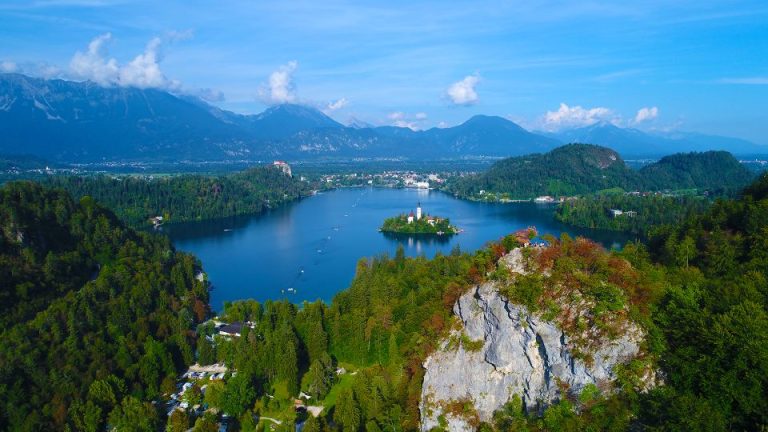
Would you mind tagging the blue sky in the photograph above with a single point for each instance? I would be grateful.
(656, 65)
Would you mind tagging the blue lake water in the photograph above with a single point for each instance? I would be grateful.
(313, 245)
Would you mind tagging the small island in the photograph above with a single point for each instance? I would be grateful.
(418, 224)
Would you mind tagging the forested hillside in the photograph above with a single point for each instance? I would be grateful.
(577, 169)
(567, 170)
(96, 318)
(187, 197)
(716, 170)
(639, 213)
(714, 318)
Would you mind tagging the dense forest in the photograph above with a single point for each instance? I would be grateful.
(568, 170)
(577, 169)
(187, 197)
(638, 213)
(713, 170)
(96, 318)
(714, 318)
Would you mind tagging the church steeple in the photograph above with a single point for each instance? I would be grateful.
(418, 211)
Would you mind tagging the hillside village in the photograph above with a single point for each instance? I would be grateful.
(194, 396)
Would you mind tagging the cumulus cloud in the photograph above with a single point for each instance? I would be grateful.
(280, 88)
(646, 114)
(411, 121)
(93, 65)
(463, 92)
(8, 66)
(576, 116)
(142, 72)
(336, 105)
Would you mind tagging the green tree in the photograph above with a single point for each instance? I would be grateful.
(239, 394)
(347, 411)
(206, 423)
(206, 351)
(314, 424)
(178, 421)
(134, 415)
(214, 394)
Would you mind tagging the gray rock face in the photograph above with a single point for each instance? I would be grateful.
(521, 354)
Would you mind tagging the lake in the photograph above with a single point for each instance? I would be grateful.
(308, 249)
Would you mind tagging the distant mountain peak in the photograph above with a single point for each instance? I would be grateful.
(484, 120)
(299, 112)
(284, 120)
(356, 123)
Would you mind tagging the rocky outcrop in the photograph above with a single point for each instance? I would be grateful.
(519, 354)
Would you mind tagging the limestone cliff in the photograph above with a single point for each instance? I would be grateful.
(500, 349)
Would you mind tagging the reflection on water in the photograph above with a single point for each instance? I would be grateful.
(417, 242)
(308, 250)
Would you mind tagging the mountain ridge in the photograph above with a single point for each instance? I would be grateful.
(69, 121)
(628, 140)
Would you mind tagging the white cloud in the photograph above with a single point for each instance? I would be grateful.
(646, 114)
(142, 72)
(281, 88)
(8, 66)
(48, 71)
(576, 116)
(414, 122)
(93, 65)
(463, 92)
(336, 105)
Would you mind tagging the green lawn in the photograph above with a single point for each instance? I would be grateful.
(344, 382)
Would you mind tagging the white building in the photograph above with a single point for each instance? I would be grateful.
(282, 166)
(418, 212)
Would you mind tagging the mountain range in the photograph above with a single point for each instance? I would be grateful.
(70, 121)
(630, 142)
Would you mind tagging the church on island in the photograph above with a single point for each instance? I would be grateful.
(430, 220)
(418, 223)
